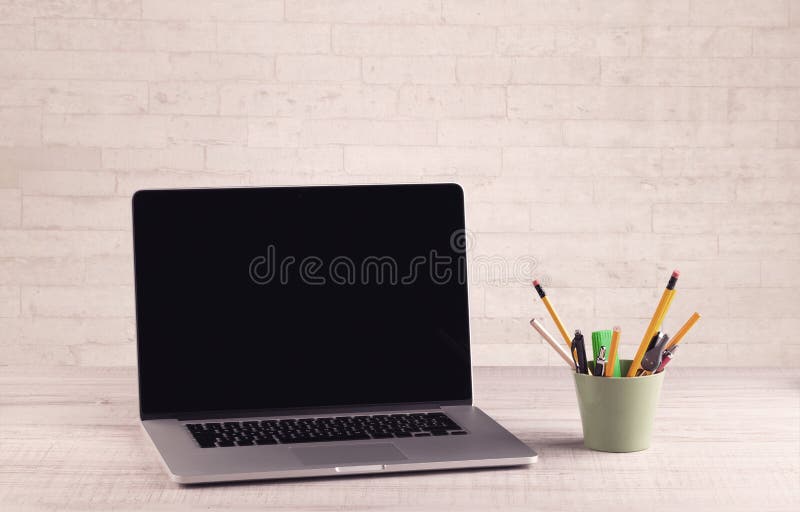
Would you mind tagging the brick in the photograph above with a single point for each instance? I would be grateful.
(37, 355)
(421, 161)
(727, 218)
(483, 70)
(741, 72)
(605, 246)
(513, 354)
(697, 42)
(669, 134)
(555, 70)
(184, 98)
(317, 68)
(68, 183)
(124, 34)
(10, 208)
(482, 188)
(105, 130)
(334, 100)
(72, 331)
(41, 271)
(604, 12)
(715, 274)
(9, 178)
(494, 331)
(789, 135)
(794, 14)
(173, 157)
(760, 103)
(9, 301)
(576, 272)
(274, 132)
(498, 217)
(20, 126)
(749, 13)
(598, 41)
(76, 96)
(642, 302)
(665, 190)
(271, 38)
(76, 212)
(207, 130)
(130, 182)
(606, 218)
(751, 245)
(526, 40)
(409, 70)
(91, 354)
(741, 162)
(366, 132)
(63, 244)
(780, 273)
(78, 301)
(356, 11)
(275, 160)
(559, 161)
(263, 10)
(26, 10)
(219, 66)
(764, 302)
(412, 40)
(49, 158)
(500, 133)
(768, 190)
(631, 103)
(16, 36)
(67, 34)
(424, 101)
(83, 65)
(120, 9)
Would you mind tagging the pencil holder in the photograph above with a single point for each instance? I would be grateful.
(617, 412)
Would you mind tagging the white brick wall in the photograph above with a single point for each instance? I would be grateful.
(607, 141)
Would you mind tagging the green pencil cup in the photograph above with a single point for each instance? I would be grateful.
(617, 412)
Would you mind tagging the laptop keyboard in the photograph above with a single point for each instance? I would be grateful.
(316, 430)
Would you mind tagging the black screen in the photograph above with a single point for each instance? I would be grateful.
(269, 298)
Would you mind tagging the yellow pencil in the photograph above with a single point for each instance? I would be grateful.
(612, 356)
(683, 330)
(553, 314)
(655, 322)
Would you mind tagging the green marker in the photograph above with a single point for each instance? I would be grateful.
(603, 339)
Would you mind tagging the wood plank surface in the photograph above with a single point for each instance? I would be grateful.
(70, 440)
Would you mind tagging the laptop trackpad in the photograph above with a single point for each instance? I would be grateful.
(335, 455)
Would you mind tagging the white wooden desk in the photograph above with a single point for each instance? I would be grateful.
(724, 440)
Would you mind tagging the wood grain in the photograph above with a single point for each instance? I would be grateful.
(70, 440)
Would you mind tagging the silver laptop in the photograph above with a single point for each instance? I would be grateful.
(313, 331)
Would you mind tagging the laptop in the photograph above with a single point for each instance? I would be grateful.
(308, 331)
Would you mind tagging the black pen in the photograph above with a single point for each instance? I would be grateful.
(579, 349)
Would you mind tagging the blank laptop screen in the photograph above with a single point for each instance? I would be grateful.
(270, 298)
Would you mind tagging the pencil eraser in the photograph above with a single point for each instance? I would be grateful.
(535, 282)
(676, 273)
